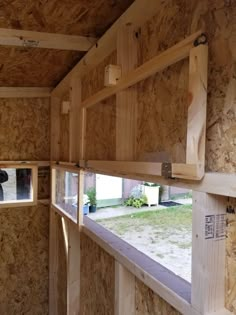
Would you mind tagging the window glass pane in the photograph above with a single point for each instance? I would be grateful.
(15, 184)
(66, 193)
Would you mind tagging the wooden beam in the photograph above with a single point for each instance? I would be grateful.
(158, 63)
(124, 291)
(126, 101)
(73, 270)
(24, 92)
(53, 263)
(197, 110)
(208, 252)
(74, 119)
(137, 14)
(55, 128)
(12, 37)
(215, 183)
(126, 167)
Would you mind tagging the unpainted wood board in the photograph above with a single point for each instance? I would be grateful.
(149, 303)
(64, 138)
(24, 260)
(157, 104)
(24, 129)
(97, 279)
(230, 281)
(62, 270)
(100, 120)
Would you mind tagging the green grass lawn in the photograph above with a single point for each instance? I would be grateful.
(165, 219)
(164, 234)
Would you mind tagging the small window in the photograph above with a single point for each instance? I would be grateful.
(65, 192)
(18, 185)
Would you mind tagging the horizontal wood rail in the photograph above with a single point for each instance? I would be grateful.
(160, 62)
(168, 170)
(25, 92)
(12, 37)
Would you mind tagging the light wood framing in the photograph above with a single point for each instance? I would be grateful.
(194, 169)
(107, 44)
(25, 92)
(11, 37)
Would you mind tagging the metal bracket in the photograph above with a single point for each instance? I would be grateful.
(200, 40)
(166, 170)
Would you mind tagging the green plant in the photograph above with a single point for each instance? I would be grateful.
(136, 202)
(92, 196)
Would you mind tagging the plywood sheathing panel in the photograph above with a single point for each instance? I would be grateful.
(43, 182)
(35, 67)
(43, 67)
(24, 129)
(97, 279)
(24, 260)
(163, 125)
(148, 303)
(100, 123)
(230, 288)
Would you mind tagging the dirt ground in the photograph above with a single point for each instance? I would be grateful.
(164, 235)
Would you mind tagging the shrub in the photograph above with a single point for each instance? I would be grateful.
(136, 202)
(91, 193)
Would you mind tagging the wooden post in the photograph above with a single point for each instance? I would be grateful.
(73, 270)
(124, 291)
(53, 263)
(126, 101)
(55, 128)
(208, 253)
(74, 125)
(196, 127)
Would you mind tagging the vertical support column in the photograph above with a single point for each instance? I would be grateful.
(73, 270)
(75, 113)
(55, 128)
(196, 126)
(53, 263)
(124, 291)
(126, 101)
(208, 253)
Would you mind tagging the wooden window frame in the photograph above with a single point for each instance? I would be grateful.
(34, 185)
(195, 47)
(71, 168)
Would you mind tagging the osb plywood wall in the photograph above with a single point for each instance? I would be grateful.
(163, 99)
(97, 279)
(231, 257)
(24, 261)
(24, 135)
(148, 303)
(24, 129)
(101, 120)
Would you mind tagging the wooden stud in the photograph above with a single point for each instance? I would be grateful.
(124, 291)
(208, 253)
(53, 263)
(55, 128)
(112, 75)
(73, 270)
(65, 107)
(24, 92)
(158, 63)
(75, 119)
(11, 37)
(126, 101)
(196, 127)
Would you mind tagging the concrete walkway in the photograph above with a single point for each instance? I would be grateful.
(110, 212)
